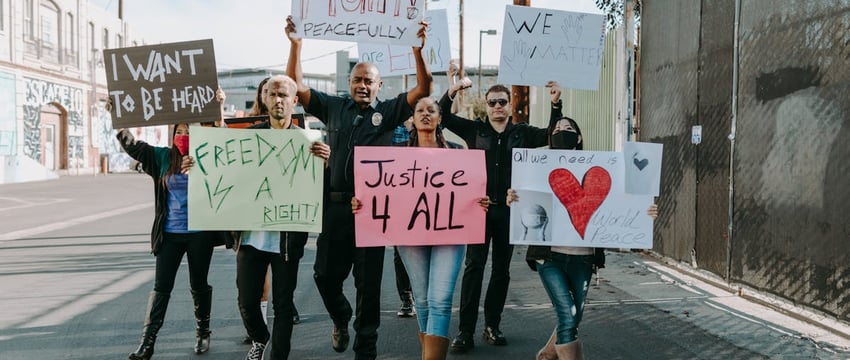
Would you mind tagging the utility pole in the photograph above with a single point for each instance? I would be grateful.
(519, 94)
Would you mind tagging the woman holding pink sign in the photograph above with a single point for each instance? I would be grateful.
(433, 270)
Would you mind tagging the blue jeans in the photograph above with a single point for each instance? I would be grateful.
(433, 274)
(566, 279)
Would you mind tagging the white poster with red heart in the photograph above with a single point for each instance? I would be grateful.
(577, 198)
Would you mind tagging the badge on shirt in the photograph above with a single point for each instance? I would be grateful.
(377, 118)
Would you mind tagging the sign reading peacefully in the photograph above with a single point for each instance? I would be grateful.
(576, 198)
(398, 60)
(419, 196)
(255, 179)
(383, 21)
(539, 45)
(162, 84)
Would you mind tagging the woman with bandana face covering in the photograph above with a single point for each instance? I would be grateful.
(171, 238)
(565, 271)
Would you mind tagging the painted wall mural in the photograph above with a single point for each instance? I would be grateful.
(39, 93)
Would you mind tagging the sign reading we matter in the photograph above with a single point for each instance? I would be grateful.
(540, 45)
(579, 198)
(419, 196)
(255, 179)
(382, 21)
(398, 60)
(162, 84)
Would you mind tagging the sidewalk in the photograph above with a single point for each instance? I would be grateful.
(760, 309)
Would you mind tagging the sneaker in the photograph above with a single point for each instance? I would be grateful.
(339, 338)
(462, 343)
(256, 352)
(493, 336)
(247, 340)
(407, 309)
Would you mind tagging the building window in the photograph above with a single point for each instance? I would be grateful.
(105, 39)
(29, 24)
(119, 41)
(70, 34)
(2, 15)
(49, 20)
(91, 37)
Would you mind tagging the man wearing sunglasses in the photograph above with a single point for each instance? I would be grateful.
(497, 136)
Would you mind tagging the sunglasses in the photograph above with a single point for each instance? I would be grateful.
(501, 102)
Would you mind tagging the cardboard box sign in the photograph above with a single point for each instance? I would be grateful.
(162, 84)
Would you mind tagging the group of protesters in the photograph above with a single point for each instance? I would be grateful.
(360, 119)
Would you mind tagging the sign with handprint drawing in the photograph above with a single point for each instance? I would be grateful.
(540, 45)
(576, 198)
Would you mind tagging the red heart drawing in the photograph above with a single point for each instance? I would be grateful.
(581, 200)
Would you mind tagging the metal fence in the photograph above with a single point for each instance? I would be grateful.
(771, 208)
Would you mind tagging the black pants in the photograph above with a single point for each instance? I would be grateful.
(198, 248)
(335, 258)
(402, 281)
(251, 267)
(496, 233)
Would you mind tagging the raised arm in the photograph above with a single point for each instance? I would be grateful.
(423, 75)
(293, 65)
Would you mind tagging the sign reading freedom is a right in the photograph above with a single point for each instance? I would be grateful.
(162, 84)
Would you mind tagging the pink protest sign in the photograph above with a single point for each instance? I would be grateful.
(419, 196)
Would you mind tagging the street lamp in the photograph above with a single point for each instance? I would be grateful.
(480, 35)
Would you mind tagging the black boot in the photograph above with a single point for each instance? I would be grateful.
(157, 304)
(203, 303)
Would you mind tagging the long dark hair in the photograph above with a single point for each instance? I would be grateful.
(414, 136)
(580, 145)
(174, 156)
(259, 107)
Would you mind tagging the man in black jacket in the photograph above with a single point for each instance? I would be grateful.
(497, 136)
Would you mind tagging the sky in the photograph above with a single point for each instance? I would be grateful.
(250, 33)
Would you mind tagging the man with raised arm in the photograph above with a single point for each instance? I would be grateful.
(357, 119)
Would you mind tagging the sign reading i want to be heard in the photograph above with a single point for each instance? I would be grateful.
(162, 84)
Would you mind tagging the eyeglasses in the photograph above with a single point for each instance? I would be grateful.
(493, 102)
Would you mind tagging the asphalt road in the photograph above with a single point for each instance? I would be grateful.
(75, 271)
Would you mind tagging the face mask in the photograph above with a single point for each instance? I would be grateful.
(564, 140)
(181, 141)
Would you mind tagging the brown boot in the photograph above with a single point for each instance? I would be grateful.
(548, 351)
(435, 347)
(569, 351)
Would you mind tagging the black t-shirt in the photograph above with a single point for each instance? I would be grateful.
(346, 129)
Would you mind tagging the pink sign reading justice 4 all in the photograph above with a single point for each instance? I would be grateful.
(419, 196)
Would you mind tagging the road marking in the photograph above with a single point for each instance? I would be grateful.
(20, 234)
(25, 203)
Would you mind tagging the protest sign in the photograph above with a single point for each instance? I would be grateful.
(539, 45)
(643, 167)
(393, 60)
(162, 84)
(576, 198)
(419, 196)
(255, 179)
(391, 22)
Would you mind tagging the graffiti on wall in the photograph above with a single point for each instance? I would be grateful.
(38, 93)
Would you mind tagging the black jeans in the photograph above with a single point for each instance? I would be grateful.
(198, 248)
(251, 267)
(496, 233)
(335, 258)
(402, 280)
